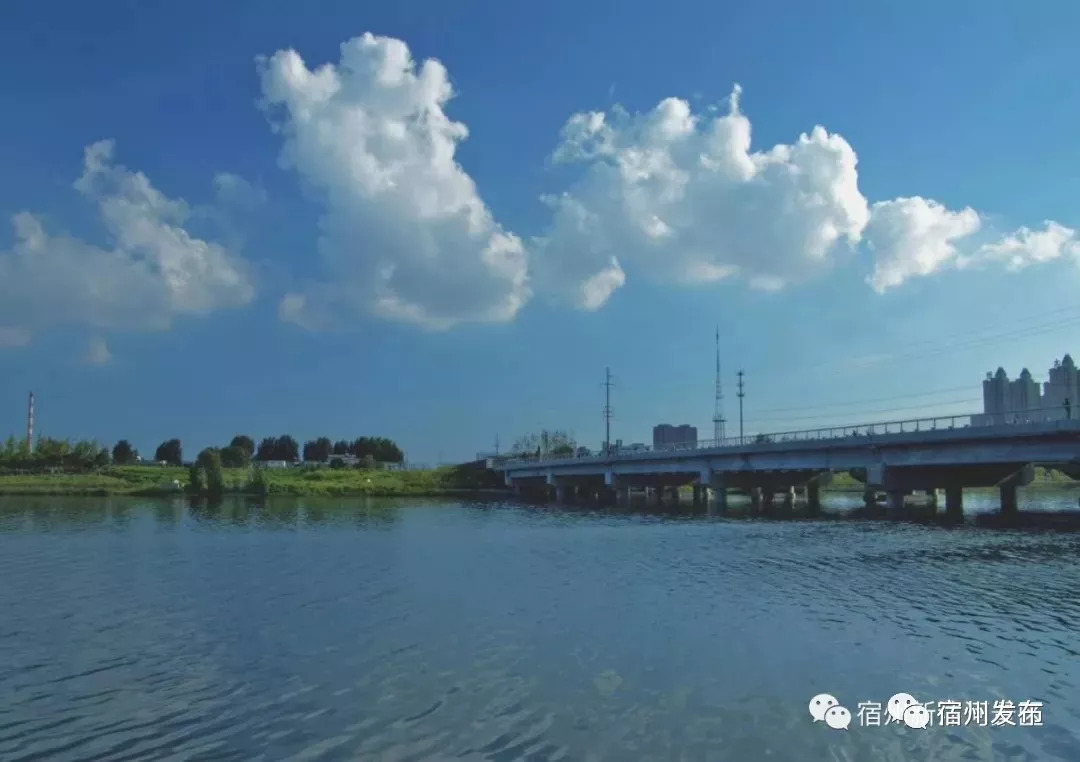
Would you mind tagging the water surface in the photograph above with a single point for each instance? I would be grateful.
(351, 629)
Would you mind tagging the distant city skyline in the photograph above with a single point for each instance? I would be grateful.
(1020, 399)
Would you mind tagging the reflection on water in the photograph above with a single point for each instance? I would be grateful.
(373, 629)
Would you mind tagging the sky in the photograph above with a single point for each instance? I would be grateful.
(442, 222)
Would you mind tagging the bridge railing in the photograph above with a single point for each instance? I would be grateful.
(848, 431)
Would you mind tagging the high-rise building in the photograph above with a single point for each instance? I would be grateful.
(1061, 392)
(1006, 401)
(666, 435)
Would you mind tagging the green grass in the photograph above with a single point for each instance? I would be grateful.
(153, 480)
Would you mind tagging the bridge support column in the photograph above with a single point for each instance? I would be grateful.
(954, 503)
(768, 499)
(813, 498)
(869, 497)
(894, 505)
(560, 493)
(698, 490)
(789, 498)
(623, 496)
(657, 495)
(1009, 502)
(720, 492)
(757, 497)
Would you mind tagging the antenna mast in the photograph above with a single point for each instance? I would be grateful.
(719, 434)
(608, 383)
(30, 424)
(740, 395)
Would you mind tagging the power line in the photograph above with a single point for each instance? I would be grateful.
(853, 403)
(871, 412)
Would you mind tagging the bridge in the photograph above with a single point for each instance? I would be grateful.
(895, 457)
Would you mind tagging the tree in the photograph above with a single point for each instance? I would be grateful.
(267, 449)
(278, 448)
(245, 443)
(123, 453)
(368, 463)
(544, 443)
(318, 450)
(235, 457)
(381, 449)
(209, 464)
(171, 452)
(288, 448)
(341, 447)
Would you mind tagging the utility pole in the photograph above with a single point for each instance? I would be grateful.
(608, 383)
(496, 445)
(740, 395)
(718, 413)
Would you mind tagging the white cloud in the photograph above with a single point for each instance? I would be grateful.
(914, 237)
(97, 352)
(1027, 247)
(405, 234)
(154, 271)
(682, 197)
(233, 191)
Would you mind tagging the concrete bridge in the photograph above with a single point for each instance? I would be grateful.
(895, 457)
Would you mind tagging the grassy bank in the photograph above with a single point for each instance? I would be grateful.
(159, 480)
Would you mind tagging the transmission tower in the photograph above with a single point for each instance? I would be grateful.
(608, 383)
(719, 434)
(740, 395)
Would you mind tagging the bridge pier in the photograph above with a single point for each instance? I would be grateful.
(716, 481)
(894, 505)
(954, 503)
(657, 495)
(1009, 502)
(813, 498)
(757, 497)
(560, 493)
(789, 498)
(698, 490)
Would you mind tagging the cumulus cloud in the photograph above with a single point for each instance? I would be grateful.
(914, 237)
(1028, 247)
(917, 237)
(404, 235)
(154, 270)
(682, 197)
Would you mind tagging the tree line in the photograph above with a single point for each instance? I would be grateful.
(547, 442)
(82, 455)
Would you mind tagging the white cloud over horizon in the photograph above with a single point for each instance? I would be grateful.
(681, 198)
(154, 271)
(405, 234)
(670, 195)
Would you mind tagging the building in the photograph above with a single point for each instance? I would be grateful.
(666, 435)
(1006, 401)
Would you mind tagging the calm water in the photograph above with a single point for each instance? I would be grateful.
(134, 630)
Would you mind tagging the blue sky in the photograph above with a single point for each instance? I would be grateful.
(221, 265)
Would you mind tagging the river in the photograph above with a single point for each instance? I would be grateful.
(414, 630)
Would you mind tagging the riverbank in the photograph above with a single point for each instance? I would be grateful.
(301, 482)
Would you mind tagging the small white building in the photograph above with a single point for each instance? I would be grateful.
(276, 464)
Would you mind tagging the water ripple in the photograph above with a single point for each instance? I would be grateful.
(369, 630)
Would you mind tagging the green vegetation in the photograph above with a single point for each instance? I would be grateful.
(300, 481)
(555, 443)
